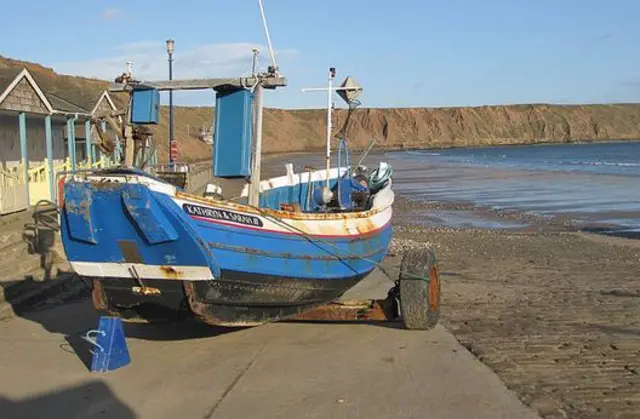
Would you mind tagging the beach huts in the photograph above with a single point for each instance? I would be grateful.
(45, 128)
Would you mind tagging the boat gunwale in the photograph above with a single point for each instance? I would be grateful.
(281, 214)
(175, 192)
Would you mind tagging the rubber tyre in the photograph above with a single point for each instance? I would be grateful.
(419, 299)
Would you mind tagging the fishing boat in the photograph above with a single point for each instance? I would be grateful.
(288, 245)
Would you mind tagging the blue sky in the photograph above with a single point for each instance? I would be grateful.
(405, 53)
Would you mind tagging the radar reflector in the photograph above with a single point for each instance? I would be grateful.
(349, 90)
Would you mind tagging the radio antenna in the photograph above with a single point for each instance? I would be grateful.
(266, 31)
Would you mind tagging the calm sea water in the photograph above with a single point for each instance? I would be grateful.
(595, 186)
(592, 184)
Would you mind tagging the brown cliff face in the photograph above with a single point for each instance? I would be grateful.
(80, 91)
(455, 127)
(304, 130)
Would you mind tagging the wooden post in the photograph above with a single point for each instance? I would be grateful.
(254, 185)
(103, 124)
(71, 140)
(49, 147)
(24, 152)
(88, 142)
(128, 146)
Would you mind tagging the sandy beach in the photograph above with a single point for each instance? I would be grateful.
(554, 312)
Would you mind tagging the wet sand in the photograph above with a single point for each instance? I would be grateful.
(554, 312)
(468, 215)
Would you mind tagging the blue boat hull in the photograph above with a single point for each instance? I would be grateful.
(229, 265)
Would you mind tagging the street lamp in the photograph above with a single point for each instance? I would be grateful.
(170, 49)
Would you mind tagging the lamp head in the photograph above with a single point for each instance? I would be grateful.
(170, 46)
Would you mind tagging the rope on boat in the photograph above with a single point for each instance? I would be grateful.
(380, 176)
(281, 222)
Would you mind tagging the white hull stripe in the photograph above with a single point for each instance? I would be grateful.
(130, 270)
(332, 228)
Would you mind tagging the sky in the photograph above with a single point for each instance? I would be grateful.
(405, 53)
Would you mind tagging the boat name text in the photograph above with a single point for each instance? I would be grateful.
(224, 215)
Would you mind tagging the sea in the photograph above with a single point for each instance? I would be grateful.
(592, 187)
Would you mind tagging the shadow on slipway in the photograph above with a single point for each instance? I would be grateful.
(92, 399)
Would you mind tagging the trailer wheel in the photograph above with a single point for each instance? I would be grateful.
(419, 298)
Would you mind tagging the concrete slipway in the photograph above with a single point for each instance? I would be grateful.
(283, 370)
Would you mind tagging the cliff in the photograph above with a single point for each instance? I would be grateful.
(304, 130)
(457, 127)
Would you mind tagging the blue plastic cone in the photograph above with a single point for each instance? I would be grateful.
(111, 347)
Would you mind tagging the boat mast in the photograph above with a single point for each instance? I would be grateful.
(349, 90)
(256, 158)
(256, 83)
(332, 74)
(254, 185)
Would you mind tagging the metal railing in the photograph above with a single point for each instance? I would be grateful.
(39, 177)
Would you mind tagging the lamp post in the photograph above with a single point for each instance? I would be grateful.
(170, 49)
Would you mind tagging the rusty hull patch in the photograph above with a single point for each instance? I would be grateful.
(365, 310)
(130, 252)
(170, 272)
(146, 291)
(103, 303)
(199, 309)
(99, 298)
(202, 312)
(357, 310)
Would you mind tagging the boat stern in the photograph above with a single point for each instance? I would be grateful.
(127, 235)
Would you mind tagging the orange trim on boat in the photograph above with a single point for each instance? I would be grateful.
(281, 214)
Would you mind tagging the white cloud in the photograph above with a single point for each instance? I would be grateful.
(150, 61)
(110, 14)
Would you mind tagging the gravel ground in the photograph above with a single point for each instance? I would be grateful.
(555, 313)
